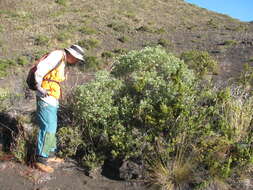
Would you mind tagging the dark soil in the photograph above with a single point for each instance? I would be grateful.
(14, 176)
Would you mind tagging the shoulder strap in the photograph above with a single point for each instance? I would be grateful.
(57, 65)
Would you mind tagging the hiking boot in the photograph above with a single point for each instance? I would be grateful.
(44, 167)
(42, 164)
(53, 158)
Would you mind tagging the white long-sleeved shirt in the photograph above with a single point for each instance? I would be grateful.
(44, 67)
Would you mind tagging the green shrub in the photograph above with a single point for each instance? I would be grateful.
(92, 62)
(201, 62)
(126, 116)
(152, 108)
(93, 109)
(69, 139)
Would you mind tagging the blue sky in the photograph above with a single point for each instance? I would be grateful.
(240, 9)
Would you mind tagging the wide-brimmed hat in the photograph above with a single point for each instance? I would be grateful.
(76, 51)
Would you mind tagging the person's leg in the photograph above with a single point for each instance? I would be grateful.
(47, 120)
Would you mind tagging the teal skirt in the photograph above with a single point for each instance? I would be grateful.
(47, 121)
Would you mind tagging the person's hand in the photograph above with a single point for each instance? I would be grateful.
(42, 91)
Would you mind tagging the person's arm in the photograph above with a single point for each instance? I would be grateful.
(45, 66)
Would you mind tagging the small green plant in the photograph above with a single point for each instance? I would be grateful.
(5, 64)
(41, 40)
(1, 28)
(213, 23)
(4, 96)
(92, 62)
(38, 54)
(237, 28)
(246, 77)
(250, 59)
(107, 54)
(22, 60)
(23, 142)
(201, 62)
(118, 26)
(87, 30)
(145, 29)
(123, 39)
(160, 30)
(61, 2)
(89, 43)
(164, 42)
(229, 43)
(120, 51)
(63, 36)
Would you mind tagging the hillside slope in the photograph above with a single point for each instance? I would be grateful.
(108, 27)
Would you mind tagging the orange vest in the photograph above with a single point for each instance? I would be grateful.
(52, 79)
